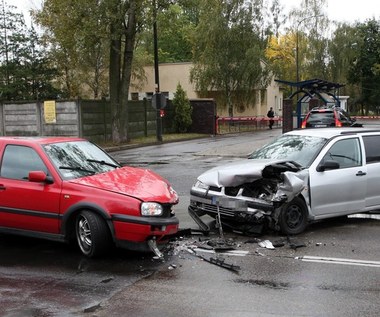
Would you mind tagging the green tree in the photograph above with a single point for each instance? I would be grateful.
(175, 23)
(81, 33)
(364, 70)
(25, 71)
(311, 26)
(228, 52)
(76, 32)
(182, 111)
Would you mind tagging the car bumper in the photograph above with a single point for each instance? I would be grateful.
(138, 230)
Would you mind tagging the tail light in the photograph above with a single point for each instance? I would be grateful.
(303, 124)
(338, 123)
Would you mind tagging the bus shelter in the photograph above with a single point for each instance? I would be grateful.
(325, 92)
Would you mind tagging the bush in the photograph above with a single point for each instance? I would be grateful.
(182, 111)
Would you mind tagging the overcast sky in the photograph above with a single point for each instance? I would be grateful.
(346, 10)
(340, 10)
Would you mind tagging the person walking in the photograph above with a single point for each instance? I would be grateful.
(270, 115)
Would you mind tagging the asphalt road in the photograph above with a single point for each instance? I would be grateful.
(332, 269)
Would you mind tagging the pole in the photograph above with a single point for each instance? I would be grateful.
(298, 66)
(157, 76)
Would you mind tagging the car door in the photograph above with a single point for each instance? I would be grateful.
(372, 150)
(24, 204)
(342, 190)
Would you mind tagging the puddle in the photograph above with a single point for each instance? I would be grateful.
(269, 284)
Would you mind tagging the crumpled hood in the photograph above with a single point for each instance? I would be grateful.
(235, 173)
(141, 183)
(248, 171)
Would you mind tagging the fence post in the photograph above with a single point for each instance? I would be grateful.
(145, 117)
(79, 116)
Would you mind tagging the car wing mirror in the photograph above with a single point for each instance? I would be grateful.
(40, 177)
(328, 165)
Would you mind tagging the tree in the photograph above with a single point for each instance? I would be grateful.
(81, 32)
(281, 55)
(175, 22)
(182, 111)
(311, 26)
(364, 71)
(25, 70)
(77, 35)
(228, 52)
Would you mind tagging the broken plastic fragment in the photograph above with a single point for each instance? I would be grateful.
(153, 246)
(266, 244)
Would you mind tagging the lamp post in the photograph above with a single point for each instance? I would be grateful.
(157, 94)
(297, 64)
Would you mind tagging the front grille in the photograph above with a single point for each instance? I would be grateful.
(222, 210)
(167, 211)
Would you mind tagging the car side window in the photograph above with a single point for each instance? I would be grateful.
(345, 152)
(18, 161)
(372, 148)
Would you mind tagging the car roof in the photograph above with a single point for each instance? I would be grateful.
(328, 133)
(38, 140)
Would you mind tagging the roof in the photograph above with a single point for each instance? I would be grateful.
(39, 140)
(331, 132)
(313, 85)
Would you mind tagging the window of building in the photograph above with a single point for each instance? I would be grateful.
(135, 96)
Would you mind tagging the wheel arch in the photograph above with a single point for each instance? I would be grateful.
(68, 219)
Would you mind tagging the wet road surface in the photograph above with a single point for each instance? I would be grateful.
(334, 271)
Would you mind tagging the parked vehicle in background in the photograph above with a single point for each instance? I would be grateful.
(300, 177)
(68, 189)
(324, 117)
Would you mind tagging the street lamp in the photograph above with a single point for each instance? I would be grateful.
(297, 43)
(297, 65)
(157, 94)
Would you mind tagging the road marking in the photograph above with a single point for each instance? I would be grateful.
(319, 259)
(230, 252)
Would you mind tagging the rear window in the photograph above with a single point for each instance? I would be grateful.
(320, 116)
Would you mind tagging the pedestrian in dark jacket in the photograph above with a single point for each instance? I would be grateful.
(270, 115)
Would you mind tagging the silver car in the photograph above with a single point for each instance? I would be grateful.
(300, 177)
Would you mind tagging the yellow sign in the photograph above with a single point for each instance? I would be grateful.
(49, 111)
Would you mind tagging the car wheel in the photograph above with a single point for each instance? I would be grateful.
(92, 234)
(293, 217)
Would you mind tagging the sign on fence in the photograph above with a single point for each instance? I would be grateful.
(49, 111)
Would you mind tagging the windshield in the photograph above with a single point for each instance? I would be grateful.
(299, 148)
(79, 158)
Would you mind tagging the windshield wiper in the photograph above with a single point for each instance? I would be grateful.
(76, 168)
(103, 163)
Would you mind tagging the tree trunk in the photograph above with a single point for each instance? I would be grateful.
(130, 35)
(114, 80)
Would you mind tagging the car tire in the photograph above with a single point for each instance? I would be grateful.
(93, 236)
(293, 217)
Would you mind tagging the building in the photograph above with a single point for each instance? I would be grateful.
(173, 73)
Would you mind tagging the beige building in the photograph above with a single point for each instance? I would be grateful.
(173, 73)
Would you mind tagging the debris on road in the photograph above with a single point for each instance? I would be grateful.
(221, 262)
(266, 244)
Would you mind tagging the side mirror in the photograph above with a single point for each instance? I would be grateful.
(40, 177)
(328, 165)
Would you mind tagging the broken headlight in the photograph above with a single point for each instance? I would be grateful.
(201, 185)
(151, 209)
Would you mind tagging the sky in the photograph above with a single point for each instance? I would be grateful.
(346, 10)
(339, 10)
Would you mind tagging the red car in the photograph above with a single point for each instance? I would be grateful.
(68, 189)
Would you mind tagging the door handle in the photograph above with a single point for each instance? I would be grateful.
(360, 173)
